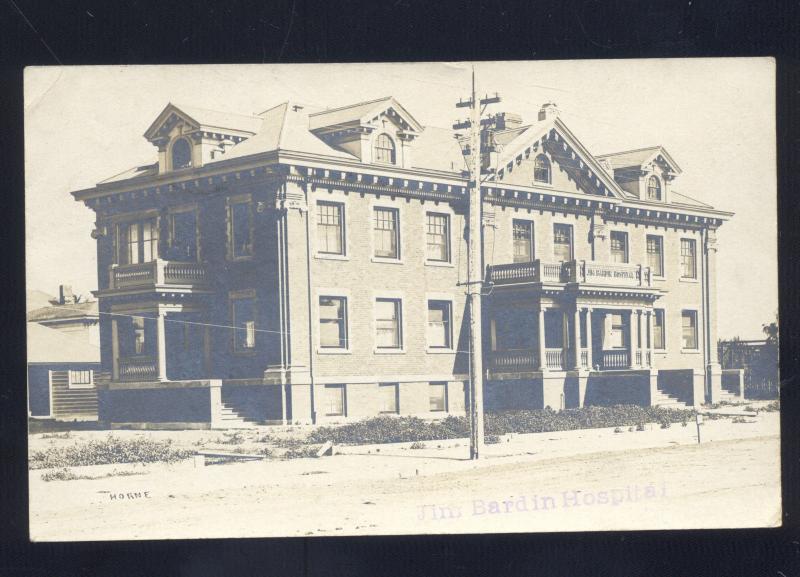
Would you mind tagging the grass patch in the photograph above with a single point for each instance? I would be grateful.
(67, 474)
(413, 429)
(108, 451)
(301, 453)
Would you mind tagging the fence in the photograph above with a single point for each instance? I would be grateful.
(759, 359)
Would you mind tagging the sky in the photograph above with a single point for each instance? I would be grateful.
(716, 117)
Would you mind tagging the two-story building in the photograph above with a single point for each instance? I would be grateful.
(308, 265)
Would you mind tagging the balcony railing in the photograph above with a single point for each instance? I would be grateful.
(584, 359)
(138, 368)
(580, 271)
(554, 358)
(157, 272)
(512, 361)
(615, 360)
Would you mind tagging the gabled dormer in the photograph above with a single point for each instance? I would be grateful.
(188, 137)
(378, 132)
(646, 173)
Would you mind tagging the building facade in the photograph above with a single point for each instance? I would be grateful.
(308, 266)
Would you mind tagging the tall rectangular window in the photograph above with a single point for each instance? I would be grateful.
(438, 237)
(388, 393)
(689, 329)
(439, 323)
(333, 322)
(334, 400)
(523, 240)
(688, 258)
(616, 331)
(243, 313)
(183, 236)
(437, 396)
(659, 335)
(562, 241)
(619, 246)
(388, 323)
(386, 233)
(655, 254)
(240, 229)
(138, 242)
(330, 228)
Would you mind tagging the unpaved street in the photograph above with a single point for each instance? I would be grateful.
(568, 481)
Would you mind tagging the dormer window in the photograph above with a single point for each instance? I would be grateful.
(653, 188)
(384, 149)
(181, 154)
(541, 169)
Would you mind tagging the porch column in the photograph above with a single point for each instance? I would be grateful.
(639, 338)
(542, 363)
(576, 337)
(114, 350)
(589, 338)
(161, 347)
(650, 315)
(631, 339)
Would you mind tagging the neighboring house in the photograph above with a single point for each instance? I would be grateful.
(758, 362)
(308, 266)
(62, 373)
(68, 315)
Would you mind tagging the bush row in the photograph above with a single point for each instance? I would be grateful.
(386, 429)
(109, 450)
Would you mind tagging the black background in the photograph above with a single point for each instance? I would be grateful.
(226, 31)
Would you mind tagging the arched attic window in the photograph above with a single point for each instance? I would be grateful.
(653, 188)
(384, 149)
(181, 154)
(541, 169)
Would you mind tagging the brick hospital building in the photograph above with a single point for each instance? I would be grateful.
(308, 265)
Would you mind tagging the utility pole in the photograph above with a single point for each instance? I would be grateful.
(475, 265)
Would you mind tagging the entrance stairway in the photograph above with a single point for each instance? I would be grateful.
(233, 418)
(668, 401)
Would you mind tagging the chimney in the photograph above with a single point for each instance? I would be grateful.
(507, 120)
(548, 111)
(65, 295)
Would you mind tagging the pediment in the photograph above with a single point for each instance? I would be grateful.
(165, 122)
(364, 116)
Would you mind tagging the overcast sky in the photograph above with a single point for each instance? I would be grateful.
(716, 117)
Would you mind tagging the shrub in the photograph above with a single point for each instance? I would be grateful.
(773, 406)
(640, 427)
(64, 435)
(106, 451)
(739, 420)
(491, 439)
(63, 474)
(617, 430)
(301, 453)
(235, 438)
(417, 445)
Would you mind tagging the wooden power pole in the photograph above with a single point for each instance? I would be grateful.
(475, 266)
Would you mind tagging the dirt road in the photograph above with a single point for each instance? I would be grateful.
(649, 480)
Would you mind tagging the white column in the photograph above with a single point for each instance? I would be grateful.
(631, 339)
(114, 350)
(650, 316)
(639, 338)
(161, 347)
(576, 337)
(589, 338)
(542, 363)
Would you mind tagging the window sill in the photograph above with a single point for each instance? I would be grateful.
(440, 351)
(332, 351)
(247, 353)
(690, 351)
(389, 351)
(439, 263)
(660, 278)
(688, 280)
(386, 260)
(326, 256)
(239, 258)
(80, 387)
(660, 351)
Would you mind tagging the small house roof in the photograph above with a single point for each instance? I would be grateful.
(46, 345)
(66, 311)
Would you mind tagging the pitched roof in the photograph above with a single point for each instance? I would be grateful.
(638, 157)
(678, 198)
(35, 299)
(59, 312)
(205, 118)
(46, 345)
(360, 112)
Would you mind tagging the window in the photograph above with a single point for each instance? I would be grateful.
(240, 229)
(330, 228)
(659, 340)
(653, 188)
(81, 379)
(243, 312)
(183, 236)
(541, 169)
(438, 237)
(688, 260)
(181, 154)
(334, 400)
(388, 397)
(437, 393)
(655, 254)
(384, 149)
(439, 322)
(386, 233)
(137, 242)
(616, 331)
(562, 242)
(689, 329)
(619, 246)
(523, 240)
(332, 322)
(138, 335)
(388, 324)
